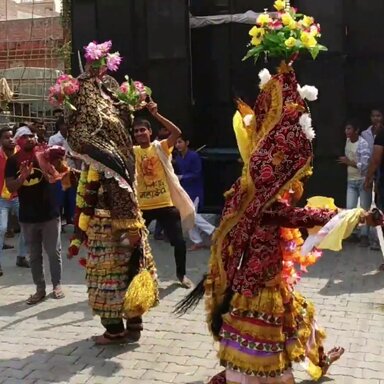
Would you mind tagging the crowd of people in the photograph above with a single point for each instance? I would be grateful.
(102, 172)
(364, 159)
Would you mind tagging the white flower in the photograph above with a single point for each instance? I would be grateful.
(308, 92)
(264, 76)
(305, 122)
(247, 120)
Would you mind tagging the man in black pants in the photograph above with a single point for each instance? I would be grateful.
(153, 188)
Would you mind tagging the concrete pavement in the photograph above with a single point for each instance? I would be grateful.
(49, 343)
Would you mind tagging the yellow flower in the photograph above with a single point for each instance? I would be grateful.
(307, 21)
(279, 5)
(84, 222)
(93, 175)
(257, 35)
(256, 41)
(257, 32)
(263, 19)
(292, 25)
(287, 19)
(308, 40)
(290, 43)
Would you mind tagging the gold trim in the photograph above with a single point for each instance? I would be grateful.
(274, 87)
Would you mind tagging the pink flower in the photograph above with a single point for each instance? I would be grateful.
(105, 47)
(71, 88)
(113, 61)
(276, 24)
(124, 87)
(94, 51)
(139, 86)
(56, 88)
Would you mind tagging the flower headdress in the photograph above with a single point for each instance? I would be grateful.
(284, 34)
(98, 55)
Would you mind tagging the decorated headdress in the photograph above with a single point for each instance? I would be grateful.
(275, 136)
(98, 126)
(98, 55)
(275, 141)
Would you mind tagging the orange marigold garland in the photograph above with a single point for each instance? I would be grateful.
(291, 242)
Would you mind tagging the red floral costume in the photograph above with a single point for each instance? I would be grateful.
(264, 325)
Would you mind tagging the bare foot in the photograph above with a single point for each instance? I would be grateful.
(332, 356)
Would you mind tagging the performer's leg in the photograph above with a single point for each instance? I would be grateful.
(115, 332)
(171, 222)
(134, 328)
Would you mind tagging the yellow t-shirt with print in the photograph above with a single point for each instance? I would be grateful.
(152, 186)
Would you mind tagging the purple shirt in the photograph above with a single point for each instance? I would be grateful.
(189, 168)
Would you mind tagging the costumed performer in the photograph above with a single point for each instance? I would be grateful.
(120, 271)
(262, 324)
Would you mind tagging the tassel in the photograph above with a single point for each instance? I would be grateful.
(190, 302)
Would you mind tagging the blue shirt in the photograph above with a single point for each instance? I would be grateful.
(189, 168)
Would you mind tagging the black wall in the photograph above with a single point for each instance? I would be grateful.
(154, 38)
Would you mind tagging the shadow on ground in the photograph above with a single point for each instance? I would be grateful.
(353, 270)
(61, 364)
(48, 314)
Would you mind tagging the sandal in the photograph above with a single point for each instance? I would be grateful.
(36, 298)
(108, 339)
(58, 293)
(332, 356)
(196, 247)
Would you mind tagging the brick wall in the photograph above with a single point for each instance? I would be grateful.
(31, 43)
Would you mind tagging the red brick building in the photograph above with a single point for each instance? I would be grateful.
(30, 34)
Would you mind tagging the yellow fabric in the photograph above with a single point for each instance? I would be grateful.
(320, 202)
(141, 295)
(5, 194)
(333, 241)
(296, 312)
(152, 187)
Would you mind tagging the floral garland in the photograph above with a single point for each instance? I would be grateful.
(291, 243)
(86, 201)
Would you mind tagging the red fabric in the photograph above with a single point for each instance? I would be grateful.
(46, 156)
(218, 379)
(262, 259)
(251, 251)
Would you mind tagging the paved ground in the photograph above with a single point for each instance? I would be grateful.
(49, 343)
